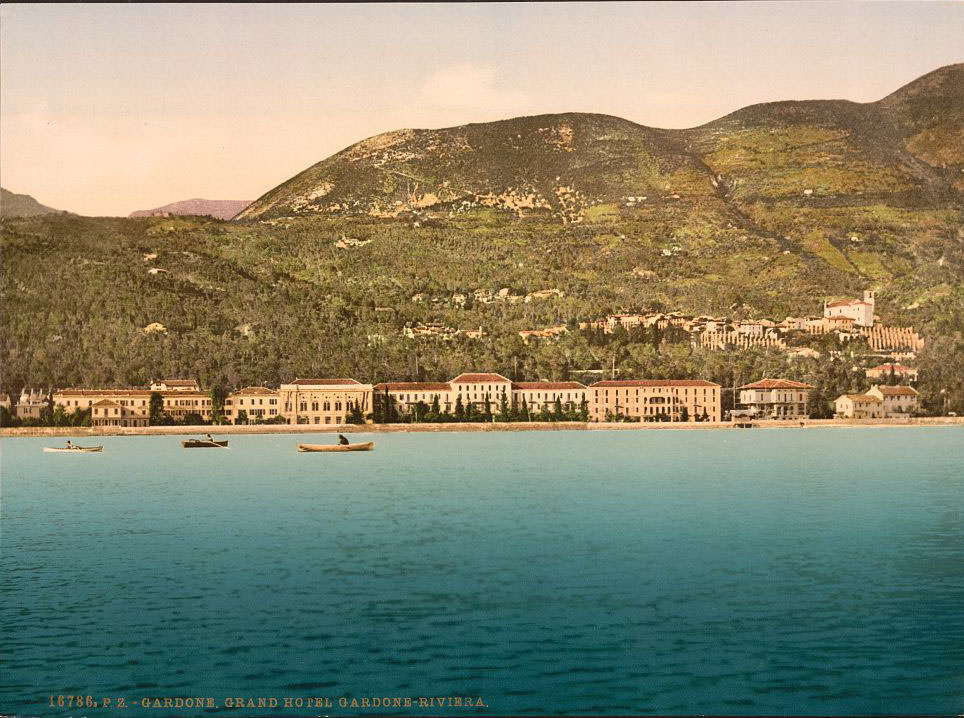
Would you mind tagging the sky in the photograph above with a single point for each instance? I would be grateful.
(106, 109)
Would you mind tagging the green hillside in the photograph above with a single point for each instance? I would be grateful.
(21, 205)
(763, 213)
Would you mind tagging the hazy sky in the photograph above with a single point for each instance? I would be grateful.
(110, 108)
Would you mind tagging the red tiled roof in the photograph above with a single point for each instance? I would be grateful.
(862, 397)
(652, 382)
(106, 402)
(897, 390)
(103, 392)
(776, 384)
(479, 378)
(254, 391)
(413, 386)
(547, 385)
(325, 382)
(898, 368)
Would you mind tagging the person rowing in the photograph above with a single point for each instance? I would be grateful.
(342, 440)
(70, 445)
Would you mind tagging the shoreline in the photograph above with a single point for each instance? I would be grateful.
(229, 429)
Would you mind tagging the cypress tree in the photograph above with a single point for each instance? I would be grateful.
(156, 408)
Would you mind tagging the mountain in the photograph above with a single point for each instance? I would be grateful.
(904, 149)
(763, 213)
(21, 205)
(217, 208)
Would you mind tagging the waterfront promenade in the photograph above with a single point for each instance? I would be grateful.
(82, 431)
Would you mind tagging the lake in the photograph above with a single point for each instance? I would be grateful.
(792, 571)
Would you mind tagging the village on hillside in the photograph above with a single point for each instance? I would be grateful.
(848, 320)
(489, 396)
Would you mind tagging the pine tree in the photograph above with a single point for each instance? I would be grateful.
(459, 409)
(355, 415)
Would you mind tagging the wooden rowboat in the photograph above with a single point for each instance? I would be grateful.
(367, 446)
(73, 449)
(204, 444)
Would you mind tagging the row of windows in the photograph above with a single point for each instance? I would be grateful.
(122, 402)
(480, 387)
(550, 396)
(656, 390)
(325, 406)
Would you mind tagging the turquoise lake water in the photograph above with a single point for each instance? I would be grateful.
(790, 571)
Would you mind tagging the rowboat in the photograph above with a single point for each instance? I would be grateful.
(204, 444)
(73, 449)
(367, 446)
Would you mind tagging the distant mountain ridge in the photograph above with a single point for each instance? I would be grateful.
(22, 205)
(217, 208)
(905, 148)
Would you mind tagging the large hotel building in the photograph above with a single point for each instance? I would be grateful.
(323, 401)
(655, 400)
(475, 389)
